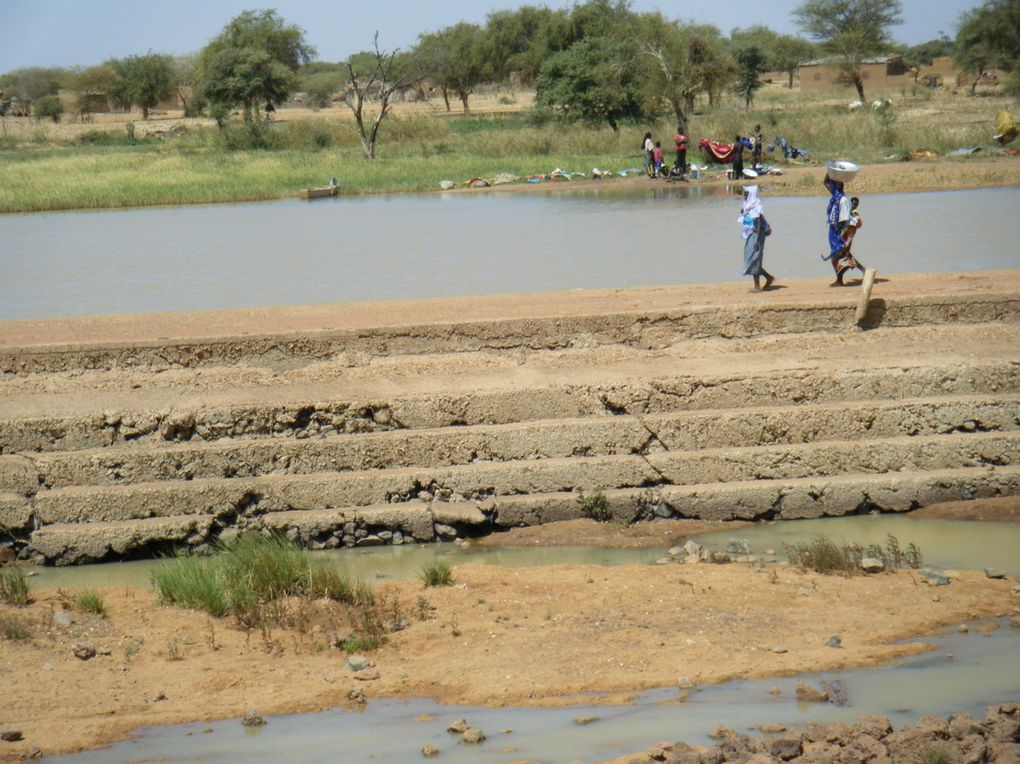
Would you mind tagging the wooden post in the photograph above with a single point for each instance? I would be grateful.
(866, 285)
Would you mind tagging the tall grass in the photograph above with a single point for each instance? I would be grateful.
(91, 601)
(14, 587)
(245, 576)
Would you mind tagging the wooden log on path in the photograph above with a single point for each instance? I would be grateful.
(862, 304)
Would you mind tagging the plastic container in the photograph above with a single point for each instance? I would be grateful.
(842, 170)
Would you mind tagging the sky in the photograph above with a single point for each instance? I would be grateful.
(87, 32)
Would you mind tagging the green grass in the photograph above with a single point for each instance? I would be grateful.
(91, 601)
(822, 555)
(437, 573)
(14, 587)
(595, 505)
(243, 577)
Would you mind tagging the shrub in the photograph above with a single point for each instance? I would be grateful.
(595, 505)
(14, 587)
(48, 107)
(823, 556)
(437, 573)
(14, 628)
(91, 601)
(193, 582)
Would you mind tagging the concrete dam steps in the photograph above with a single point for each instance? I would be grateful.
(352, 435)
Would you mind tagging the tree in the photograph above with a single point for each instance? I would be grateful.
(850, 30)
(515, 43)
(685, 62)
(787, 54)
(34, 82)
(595, 79)
(383, 79)
(253, 62)
(185, 83)
(144, 81)
(49, 107)
(751, 62)
(989, 37)
(454, 59)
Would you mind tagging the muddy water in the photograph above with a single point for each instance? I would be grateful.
(442, 245)
(943, 543)
(965, 673)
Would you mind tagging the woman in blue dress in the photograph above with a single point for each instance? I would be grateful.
(754, 228)
(838, 217)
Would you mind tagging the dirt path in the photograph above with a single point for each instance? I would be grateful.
(499, 636)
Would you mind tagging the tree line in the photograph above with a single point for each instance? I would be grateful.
(599, 60)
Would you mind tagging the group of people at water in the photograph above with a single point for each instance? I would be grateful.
(843, 218)
(655, 160)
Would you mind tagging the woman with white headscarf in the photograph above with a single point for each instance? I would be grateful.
(754, 228)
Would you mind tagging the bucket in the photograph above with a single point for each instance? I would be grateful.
(695, 174)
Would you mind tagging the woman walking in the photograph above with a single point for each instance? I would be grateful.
(754, 228)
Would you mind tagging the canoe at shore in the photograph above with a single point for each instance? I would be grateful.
(321, 191)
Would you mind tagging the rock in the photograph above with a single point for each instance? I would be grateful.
(963, 628)
(772, 729)
(460, 725)
(473, 735)
(357, 695)
(1014, 621)
(994, 573)
(370, 540)
(684, 683)
(83, 650)
(786, 748)
(62, 618)
(809, 694)
(803, 592)
(11, 736)
(676, 551)
(382, 416)
(252, 718)
(367, 674)
(428, 751)
(738, 546)
(662, 510)
(834, 641)
(934, 577)
(357, 662)
(872, 565)
(585, 719)
(778, 650)
(692, 548)
(446, 531)
(773, 690)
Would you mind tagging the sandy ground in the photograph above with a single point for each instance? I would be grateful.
(1003, 509)
(498, 636)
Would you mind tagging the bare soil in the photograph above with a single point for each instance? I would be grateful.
(499, 636)
(997, 509)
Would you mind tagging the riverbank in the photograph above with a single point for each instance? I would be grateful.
(499, 636)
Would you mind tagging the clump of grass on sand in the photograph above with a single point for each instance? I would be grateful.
(244, 578)
(14, 587)
(437, 573)
(90, 601)
(14, 628)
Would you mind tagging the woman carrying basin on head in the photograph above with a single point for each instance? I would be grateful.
(754, 228)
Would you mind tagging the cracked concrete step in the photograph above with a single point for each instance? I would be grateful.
(420, 521)
(242, 496)
(594, 436)
(197, 420)
(639, 328)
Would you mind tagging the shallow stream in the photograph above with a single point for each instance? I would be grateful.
(966, 672)
(291, 252)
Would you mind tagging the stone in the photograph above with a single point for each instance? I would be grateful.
(460, 725)
(809, 694)
(934, 577)
(738, 546)
(83, 650)
(773, 690)
(446, 531)
(252, 718)
(675, 551)
(772, 729)
(963, 628)
(7, 554)
(11, 736)
(692, 548)
(428, 751)
(473, 735)
(357, 662)
(385, 535)
(367, 674)
(585, 719)
(834, 641)
(662, 510)
(62, 618)
(371, 540)
(778, 650)
(357, 695)
(786, 748)
(994, 573)
(684, 683)
(872, 565)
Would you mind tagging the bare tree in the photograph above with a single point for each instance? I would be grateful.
(381, 80)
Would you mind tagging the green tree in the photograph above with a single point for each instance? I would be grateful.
(595, 79)
(144, 81)
(850, 30)
(49, 107)
(989, 37)
(787, 53)
(253, 62)
(34, 82)
(453, 58)
(926, 52)
(185, 83)
(683, 62)
(515, 43)
(751, 63)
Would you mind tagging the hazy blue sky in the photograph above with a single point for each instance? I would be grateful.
(86, 32)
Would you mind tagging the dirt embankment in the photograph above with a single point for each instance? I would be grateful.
(576, 629)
